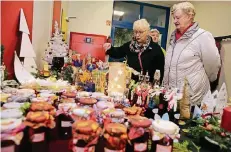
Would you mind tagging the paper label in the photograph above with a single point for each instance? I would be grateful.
(38, 137)
(160, 148)
(85, 149)
(66, 124)
(109, 150)
(8, 149)
(140, 146)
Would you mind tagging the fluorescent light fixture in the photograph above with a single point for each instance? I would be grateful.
(119, 13)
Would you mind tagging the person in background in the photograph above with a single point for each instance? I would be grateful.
(155, 34)
(192, 54)
(141, 52)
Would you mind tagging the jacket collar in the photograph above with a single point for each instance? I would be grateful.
(188, 34)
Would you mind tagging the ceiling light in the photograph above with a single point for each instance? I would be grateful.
(119, 13)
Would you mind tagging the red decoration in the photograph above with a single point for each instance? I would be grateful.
(226, 119)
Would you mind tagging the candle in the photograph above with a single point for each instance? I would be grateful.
(226, 119)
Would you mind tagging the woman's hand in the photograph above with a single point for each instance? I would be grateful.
(107, 46)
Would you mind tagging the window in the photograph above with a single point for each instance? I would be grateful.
(125, 13)
(122, 35)
(155, 16)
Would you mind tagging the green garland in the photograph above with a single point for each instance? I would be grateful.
(210, 128)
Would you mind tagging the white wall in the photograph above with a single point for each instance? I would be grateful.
(216, 18)
(91, 17)
(42, 24)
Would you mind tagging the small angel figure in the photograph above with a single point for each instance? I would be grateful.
(77, 60)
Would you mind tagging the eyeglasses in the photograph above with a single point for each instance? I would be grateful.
(139, 32)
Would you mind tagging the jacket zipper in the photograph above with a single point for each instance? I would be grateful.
(171, 63)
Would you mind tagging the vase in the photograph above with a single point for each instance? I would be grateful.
(57, 63)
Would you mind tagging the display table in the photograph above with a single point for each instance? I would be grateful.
(58, 145)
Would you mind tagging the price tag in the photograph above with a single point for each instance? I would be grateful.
(38, 137)
(66, 124)
(161, 148)
(8, 149)
(84, 149)
(109, 150)
(140, 146)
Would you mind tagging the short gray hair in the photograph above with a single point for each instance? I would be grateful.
(155, 30)
(186, 7)
(142, 23)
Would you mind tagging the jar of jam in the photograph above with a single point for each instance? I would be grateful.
(39, 139)
(64, 126)
(163, 135)
(85, 135)
(64, 120)
(139, 133)
(164, 145)
(115, 137)
(9, 146)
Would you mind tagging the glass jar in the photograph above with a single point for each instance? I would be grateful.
(64, 126)
(38, 139)
(163, 145)
(9, 146)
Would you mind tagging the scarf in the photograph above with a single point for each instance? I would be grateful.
(136, 47)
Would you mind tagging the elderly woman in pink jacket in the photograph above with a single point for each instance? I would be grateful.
(192, 54)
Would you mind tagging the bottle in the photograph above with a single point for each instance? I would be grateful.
(141, 76)
(147, 78)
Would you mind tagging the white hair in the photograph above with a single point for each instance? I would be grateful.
(141, 24)
(186, 7)
(155, 30)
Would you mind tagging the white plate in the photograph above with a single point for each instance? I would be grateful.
(11, 113)
(13, 123)
(104, 105)
(12, 105)
(25, 92)
(83, 94)
(39, 99)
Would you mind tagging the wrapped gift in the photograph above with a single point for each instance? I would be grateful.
(99, 78)
(117, 78)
